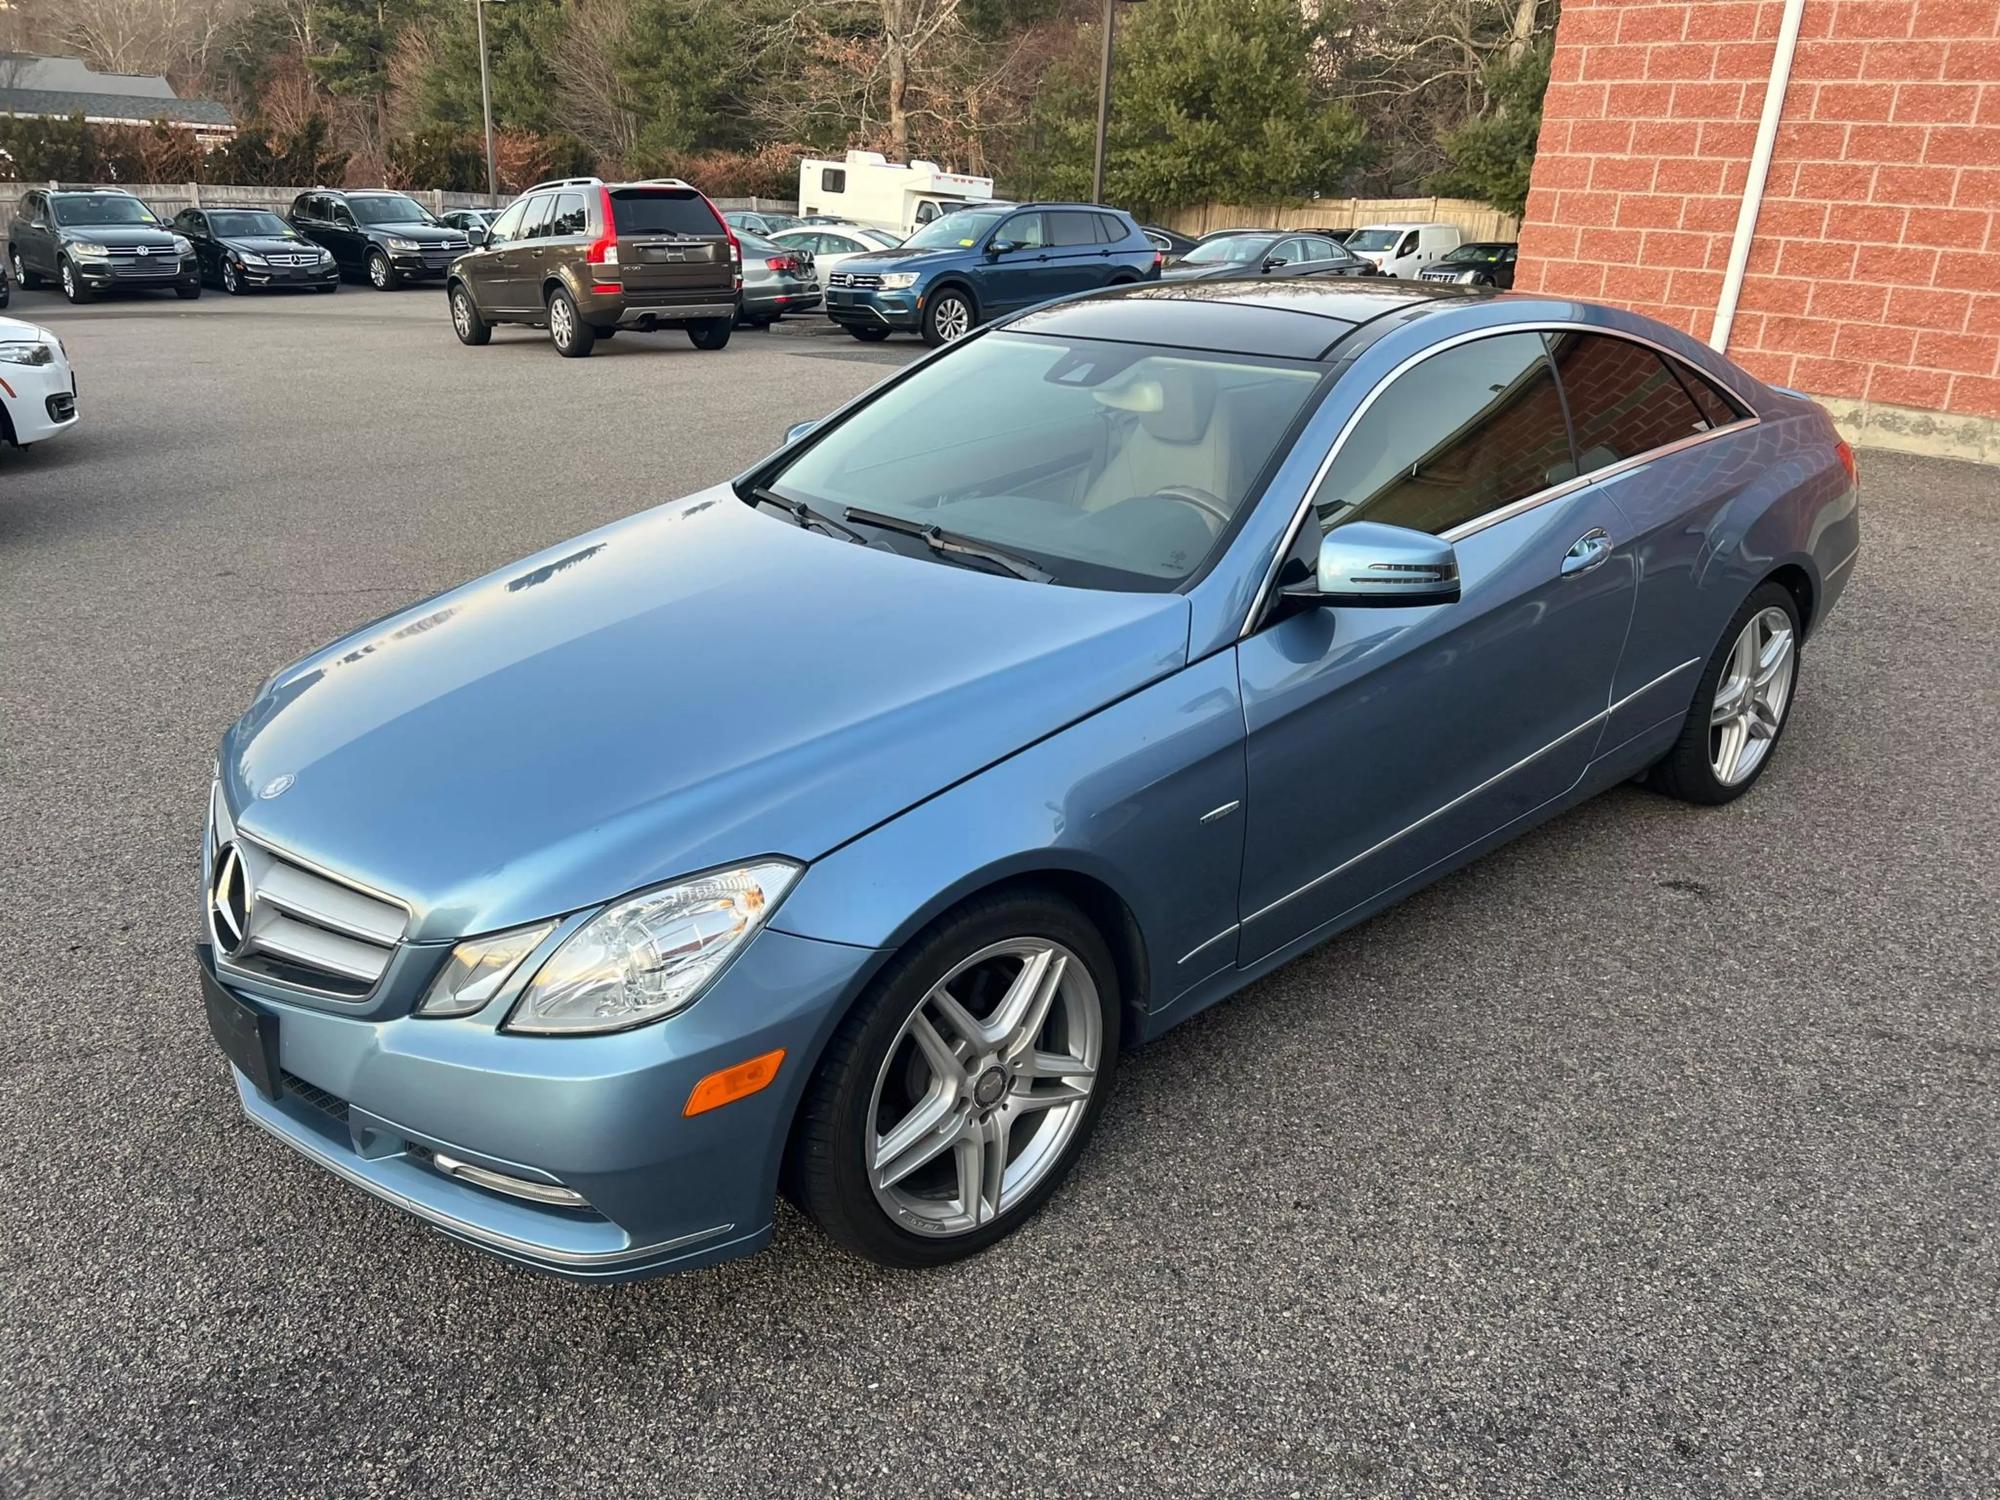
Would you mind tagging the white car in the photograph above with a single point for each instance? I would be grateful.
(1404, 249)
(37, 388)
(830, 244)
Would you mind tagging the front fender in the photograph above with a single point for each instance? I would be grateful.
(1119, 798)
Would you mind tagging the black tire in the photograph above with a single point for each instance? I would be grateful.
(28, 279)
(605, 331)
(465, 320)
(710, 333)
(826, 1171)
(943, 314)
(1687, 771)
(870, 335)
(573, 338)
(73, 288)
(382, 272)
(188, 293)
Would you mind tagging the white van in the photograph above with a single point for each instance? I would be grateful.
(1404, 249)
(865, 187)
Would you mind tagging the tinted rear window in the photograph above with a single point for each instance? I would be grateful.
(1622, 398)
(651, 211)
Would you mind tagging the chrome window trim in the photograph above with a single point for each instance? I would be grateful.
(1261, 599)
(1495, 779)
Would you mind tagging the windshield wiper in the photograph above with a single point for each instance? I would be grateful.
(804, 515)
(939, 540)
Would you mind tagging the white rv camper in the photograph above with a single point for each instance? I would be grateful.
(865, 187)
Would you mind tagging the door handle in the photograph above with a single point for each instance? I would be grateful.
(1586, 552)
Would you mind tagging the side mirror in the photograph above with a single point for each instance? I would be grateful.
(475, 236)
(1000, 247)
(1369, 565)
(1274, 262)
(798, 430)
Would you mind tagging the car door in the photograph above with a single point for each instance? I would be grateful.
(1286, 258)
(1317, 253)
(349, 245)
(1079, 261)
(515, 262)
(486, 269)
(1009, 279)
(1382, 741)
(193, 223)
(32, 235)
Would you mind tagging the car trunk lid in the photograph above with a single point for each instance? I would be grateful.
(671, 244)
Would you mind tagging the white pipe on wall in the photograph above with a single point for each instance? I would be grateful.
(1760, 169)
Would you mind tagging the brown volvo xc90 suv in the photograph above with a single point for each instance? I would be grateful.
(585, 258)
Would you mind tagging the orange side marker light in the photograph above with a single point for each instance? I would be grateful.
(727, 1085)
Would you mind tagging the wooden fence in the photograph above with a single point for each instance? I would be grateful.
(1478, 220)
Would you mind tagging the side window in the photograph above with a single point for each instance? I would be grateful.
(508, 225)
(536, 222)
(926, 211)
(1071, 229)
(341, 216)
(1025, 229)
(833, 179)
(1718, 407)
(570, 216)
(1465, 432)
(1111, 232)
(1623, 399)
(1409, 243)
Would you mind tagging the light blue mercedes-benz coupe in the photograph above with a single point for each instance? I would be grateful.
(835, 828)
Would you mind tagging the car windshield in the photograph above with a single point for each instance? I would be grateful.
(391, 208)
(1373, 239)
(1110, 465)
(102, 208)
(1482, 255)
(268, 226)
(1230, 250)
(954, 231)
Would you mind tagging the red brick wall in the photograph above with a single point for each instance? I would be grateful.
(1875, 272)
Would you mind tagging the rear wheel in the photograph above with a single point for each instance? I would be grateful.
(1741, 705)
(962, 1088)
(381, 275)
(572, 337)
(465, 320)
(710, 333)
(25, 278)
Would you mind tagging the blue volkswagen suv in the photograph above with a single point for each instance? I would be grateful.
(982, 263)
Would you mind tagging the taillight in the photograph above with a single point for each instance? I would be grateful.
(604, 249)
(1159, 259)
(735, 245)
(1845, 451)
(783, 264)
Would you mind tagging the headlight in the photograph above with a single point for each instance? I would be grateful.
(27, 354)
(88, 250)
(649, 955)
(183, 245)
(1468, 275)
(245, 258)
(897, 281)
(396, 242)
(477, 968)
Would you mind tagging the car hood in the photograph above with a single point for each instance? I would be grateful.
(697, 685)
(874, 262)
(428, 234)
(119, 234)
(267, 244)
(14, 331)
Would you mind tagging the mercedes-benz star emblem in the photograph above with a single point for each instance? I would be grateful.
(277, 786)
(229, 902)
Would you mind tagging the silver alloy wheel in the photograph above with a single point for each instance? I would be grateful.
(68, 281)
(378, 271)
(984, 1087)
(461, 313)
(562, 322)
(953, 317)
(1750, 699)
(229, 282)
(20, 271)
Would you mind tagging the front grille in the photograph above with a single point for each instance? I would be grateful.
(854, 280)
(300, 927)
(313, 1094)
(1437, 275)
(292, 258)
(157, 261)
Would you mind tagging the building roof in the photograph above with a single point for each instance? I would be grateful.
(64, 86)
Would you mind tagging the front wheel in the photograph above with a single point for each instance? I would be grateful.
(72, 285)
(231, 282)
(1741, 704)
(188, 292)
(572, 337)
(381, 275)
(949, 316)
(710, 333)
(465, 320)
(962, 1088)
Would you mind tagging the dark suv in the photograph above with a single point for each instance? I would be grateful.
(985, 260)
(585, 258)
(385, 236)
(93, 240)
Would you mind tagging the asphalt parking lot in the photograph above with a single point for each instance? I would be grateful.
(1658, 1153)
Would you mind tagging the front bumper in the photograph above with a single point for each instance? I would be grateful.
(267, 276)
(157, 272)
(376, 1101)
(40, 399)
(876, 309)
(415, 265)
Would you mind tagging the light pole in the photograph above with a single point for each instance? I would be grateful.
(486, 97)
(1104, 99)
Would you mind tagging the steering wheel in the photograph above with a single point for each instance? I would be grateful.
(1210, 507)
